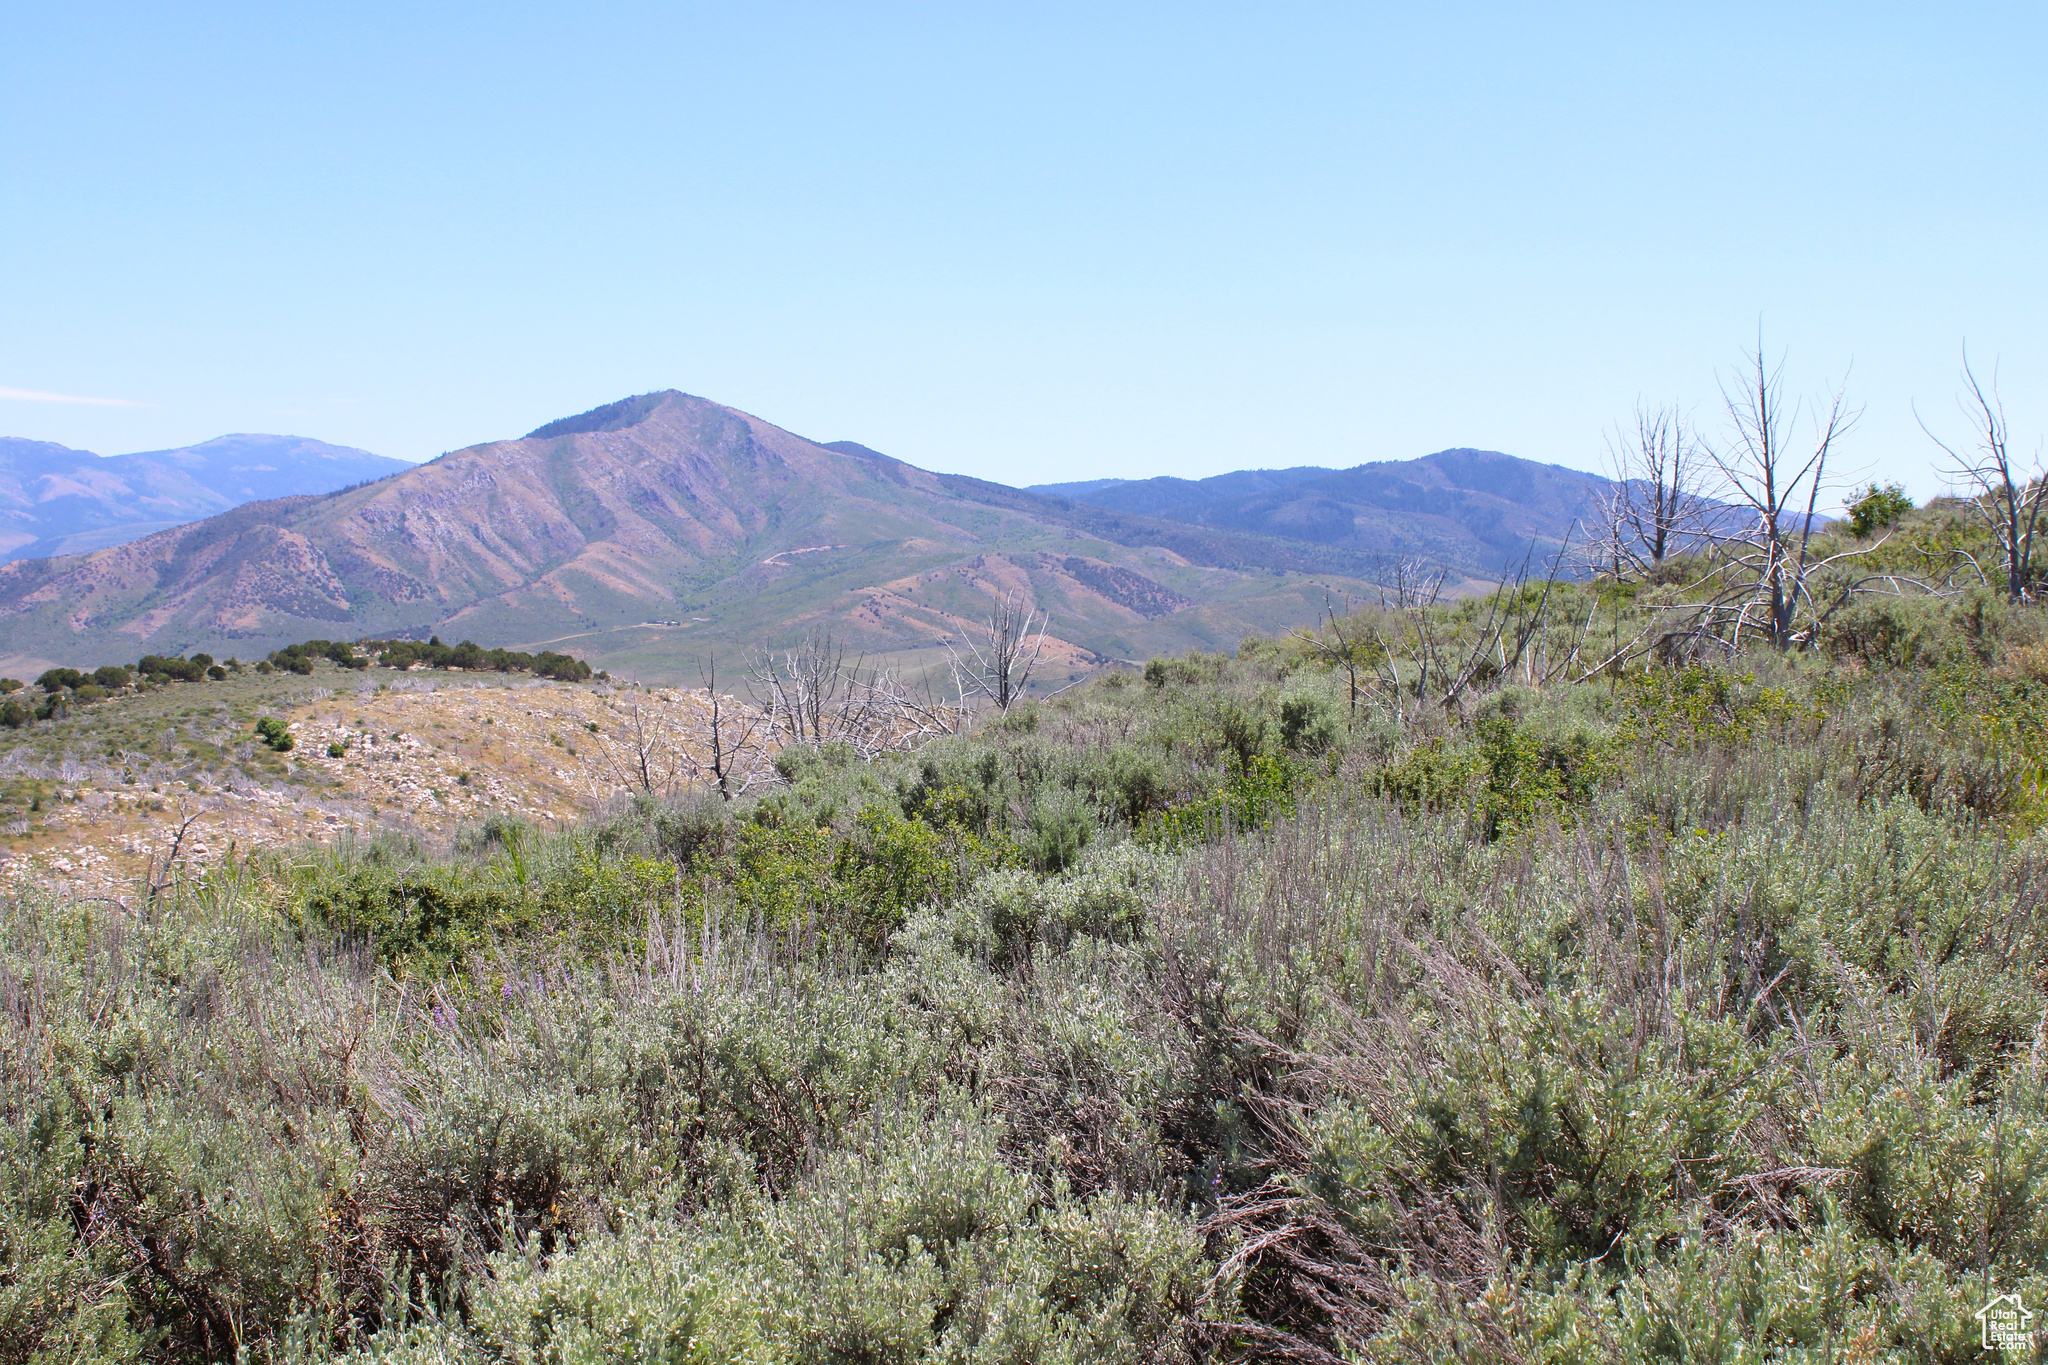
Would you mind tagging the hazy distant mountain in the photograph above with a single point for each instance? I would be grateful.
(55, 500)
(662, 528)
(1474, 510)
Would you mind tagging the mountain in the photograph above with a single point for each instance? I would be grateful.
(1473, 510)
(55, 500)
(660, 528)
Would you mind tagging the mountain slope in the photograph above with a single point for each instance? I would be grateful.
(55, 500)
(1473, 510)
(660, 527)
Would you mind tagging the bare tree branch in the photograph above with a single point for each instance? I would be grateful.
(1656, 507)
(802, 689)
(2009, 506)
(1008, 650)
(1436, 671)
(1767, 567)
(1338, 645)
(811, 696)
(157, 886)
(654, 748)
(738, 760)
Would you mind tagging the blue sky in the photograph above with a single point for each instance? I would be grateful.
(1027, 242)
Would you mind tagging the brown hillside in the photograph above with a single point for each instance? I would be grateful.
(652, 530)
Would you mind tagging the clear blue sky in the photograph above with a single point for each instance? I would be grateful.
(1030, 242)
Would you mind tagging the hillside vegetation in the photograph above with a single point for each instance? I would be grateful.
(1441, 985)
(112, 776)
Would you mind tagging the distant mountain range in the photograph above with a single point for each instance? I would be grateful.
(1472, 510)
(664, 528)
(57, 501)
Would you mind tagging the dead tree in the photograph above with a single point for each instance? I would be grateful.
(661, 750)
(1426, 658)
(157, 886)
(1512, 622)
(804, 690)
(1407, 583)
(1656, 507)
(1768, 567)
(646, 752)
(916, 713)
(1338, 644)
(2009, 505)
(736, 756)
(1007, 652)
(812, 696)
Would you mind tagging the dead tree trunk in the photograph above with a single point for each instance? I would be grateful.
(1655, 507)
(2008, 505)
(1770, 563)
(1009, 650)
(734, 753)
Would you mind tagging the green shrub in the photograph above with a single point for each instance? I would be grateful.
(1697, 704)
(1130, 783)
(1262, 791)
(780, 874)
(1309, 724)
(160, 667)
(419, 920)
(1874, 509)
(960, 784)
(1506, 776)
(1060, 827)
(273, 731)
(1893, 633)
(887, 866)
(687, 830)
(923, 1247)
(1187, 670)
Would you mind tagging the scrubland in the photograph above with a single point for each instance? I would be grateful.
(97, 802)
(1687, 1009)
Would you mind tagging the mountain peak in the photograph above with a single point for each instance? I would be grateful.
(627, 412)
(694, 528)
(858, 451)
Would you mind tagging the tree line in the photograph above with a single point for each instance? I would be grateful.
(57, 690)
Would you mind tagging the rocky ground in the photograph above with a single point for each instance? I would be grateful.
(102, 803)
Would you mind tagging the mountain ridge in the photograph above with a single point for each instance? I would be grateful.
(663, 525)
(1408, 508)
(57, 500)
